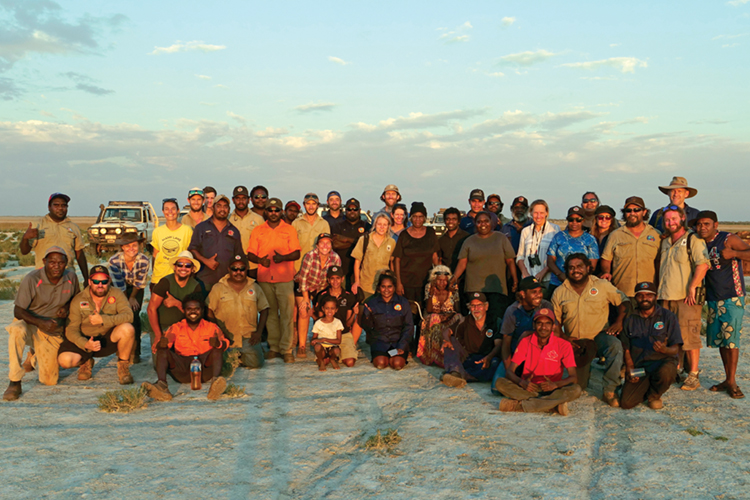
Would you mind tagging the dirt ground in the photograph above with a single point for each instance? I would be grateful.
(300, 434)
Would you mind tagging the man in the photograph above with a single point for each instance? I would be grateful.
(573, 239)
(291, 211)
(725, 294)
(40, 310)
(215, 242)
(632, 252)
(274, 246)
(582, 304)
(494, 205)
(589, 203)
(243, 218)
(651, 341)
(476, 202)
(56, 230)
(471, 354)
(259, 198)
(678, 191)
(235, 302)
(390, 197)
(165, 306)
(683, 265)
(309, 226)
(334, 215)
(192, 338)
(346, 235)
(196, 215)
(450, 241)
(520, 211)
(100, 324)
(168, 240)
(209, 193)
(541, 386)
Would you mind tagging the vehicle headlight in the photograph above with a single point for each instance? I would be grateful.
(104, 231)
(94, 232)
(131, 230)
(118, 231)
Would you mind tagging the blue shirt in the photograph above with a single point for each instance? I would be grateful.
(639, 334)
(518, 320)
(513, 233)
(657, 218)
(468, 225)
(389, 325)
(563, 244)
(209, 241)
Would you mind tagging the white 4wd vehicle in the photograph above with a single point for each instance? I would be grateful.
(119, 218)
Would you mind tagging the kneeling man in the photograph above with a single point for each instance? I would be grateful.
(541, 386)
(100, 325)
(193, 337)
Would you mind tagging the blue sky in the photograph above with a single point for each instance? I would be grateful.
(143, 100)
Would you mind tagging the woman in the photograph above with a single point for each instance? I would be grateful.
(388, 321)
(441, 308)
(311, 279)
(415, 254)
(128, 269)
(606, 222)
(373, 253)
(400, 220)
(535, 240)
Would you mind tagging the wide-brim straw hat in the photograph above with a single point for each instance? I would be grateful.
(186, 255)
(678, 182)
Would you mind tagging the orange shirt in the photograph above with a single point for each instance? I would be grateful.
(189, 342)
(265, 241)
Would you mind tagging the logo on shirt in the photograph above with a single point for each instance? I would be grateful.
(343, 302)
(397, 307)
(251, 292)
(111, 300)
(659, 325)
(552, 356)
(361, 230)
(489, 333)
(594, 292)
(230, 232)
(388, 247)
(650, 238)
(684, 243)
(85, 305)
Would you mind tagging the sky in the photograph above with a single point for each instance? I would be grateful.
(144, 100)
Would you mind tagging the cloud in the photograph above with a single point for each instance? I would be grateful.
(85, 83)
(527, 58)
(624, 64)
(457, 35)
(237, 117)
(93, 89)
(507, 21)
(721, 37)
(203, 77)
(220, 86)
(730, 45)
(271, 132)
(315, 106)
(9, 90)
(421, 120)
(430, 173)
(737, 3)
(338, 60)
(195, 45)
(615, 44)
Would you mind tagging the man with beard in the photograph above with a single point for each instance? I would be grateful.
(725, 294)
(631, 254)
(243, 218)
(678, 191)
(274, 246)
(450, 241)
(99, 325)
(471, 354)
(259, 198)
(291, 211)
(683, 265)
(56, 230)
(346, 235)
(390, 197)
(494, 205)
(541, 386)
(192, 338)
(582, 304)
(334, 215)
(208, 206)
(589, 203)
(520, 211)
(168, 240)
(651, 341)
(196, 215)
(215, 242)
(309, 226)
(40, 311)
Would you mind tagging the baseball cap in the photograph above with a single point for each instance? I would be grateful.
(222, 197)
(312, 196)
(520, 200)
(99, 269)
(529, 283)
(391, 187)
(645, 287)
(239, 190)
(605, 209)
(292, 203)
(707, 214)
(634, 200)
(333, 193)
(476, 194)
(55, 249)
(544, 312)
(322, 236)
(477, 296)
(576, 210)
(274, 203)
(335, 271)
(352, 202)
(194, 191)
(58, 195)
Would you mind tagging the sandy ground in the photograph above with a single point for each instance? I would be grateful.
(300, 434)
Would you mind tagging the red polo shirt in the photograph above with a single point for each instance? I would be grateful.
(548, 361)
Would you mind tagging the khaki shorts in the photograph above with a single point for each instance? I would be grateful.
(689, 318)
(348, 349)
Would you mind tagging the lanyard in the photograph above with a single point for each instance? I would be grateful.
(536, 242)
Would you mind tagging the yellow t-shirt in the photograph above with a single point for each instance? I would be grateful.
(168, 244)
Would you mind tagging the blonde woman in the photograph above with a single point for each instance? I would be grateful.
(372, 253)
(535, 240)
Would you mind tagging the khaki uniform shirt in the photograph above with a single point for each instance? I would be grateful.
(115, 311)
(676, 270)
(246, 225)
(188, 221)
(378, 258)
(238, 311)
(585, 316)
(633, 259)
(43, 299)
(306, 234)
(65, 234)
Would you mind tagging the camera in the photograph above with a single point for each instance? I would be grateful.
(534, 260)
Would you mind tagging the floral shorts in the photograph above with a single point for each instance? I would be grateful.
(725, 322)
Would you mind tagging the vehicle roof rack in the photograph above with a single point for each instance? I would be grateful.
(123, 203)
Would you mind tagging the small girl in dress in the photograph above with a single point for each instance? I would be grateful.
(327, 335)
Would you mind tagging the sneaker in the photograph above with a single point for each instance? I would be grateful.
(452, 380)
(655, 404)
(288, 357)
(301, 352)
(84, 371)
(13, 391)
(218, 385)
(510, 405)
(28, 365)
(272, 354)
(692, 382)
(158, 391)
(123, 372)
(562, 409)
(611, 399)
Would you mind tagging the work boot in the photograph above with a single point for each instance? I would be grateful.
(158, 391)
(13, 391)
(123, 372)
(288, 357)
(510, 405)
(655, 404)
(272, 354)
(692, 382)
(301, 352)
(84, 372)
(453, 380)
(28, 365)
(218, 385)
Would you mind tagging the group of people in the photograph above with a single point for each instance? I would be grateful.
(516, 301)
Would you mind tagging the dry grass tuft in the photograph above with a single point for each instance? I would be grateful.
(123, 400)
(231, 362)
(383, 441)
(235, 391)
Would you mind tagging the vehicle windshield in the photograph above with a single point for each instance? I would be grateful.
(438, 219)
(123, 214)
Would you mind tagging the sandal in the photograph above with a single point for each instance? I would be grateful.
(735, 392)
(719, 387)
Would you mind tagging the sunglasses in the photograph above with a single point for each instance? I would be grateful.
(590, 200)
(670, 207)
(575, 219)
(184, 265)
(352, 209)
(99, 282)
(273, 210)
(633, 210)
(193, 193)
(260, 196)
(494, 203)
(238, 269)
(165, 200)
(603, 217)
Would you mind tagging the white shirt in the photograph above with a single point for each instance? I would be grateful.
(536, 243)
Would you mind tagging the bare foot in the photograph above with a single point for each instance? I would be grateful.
(335, 363)
(321, 365)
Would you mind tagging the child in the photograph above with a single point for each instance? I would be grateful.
(327, 335)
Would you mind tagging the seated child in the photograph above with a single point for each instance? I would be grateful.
(327, 335)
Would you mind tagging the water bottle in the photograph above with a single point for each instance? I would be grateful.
(195, 374)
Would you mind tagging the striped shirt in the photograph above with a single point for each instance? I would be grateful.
(122, 276)
(312, 274)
